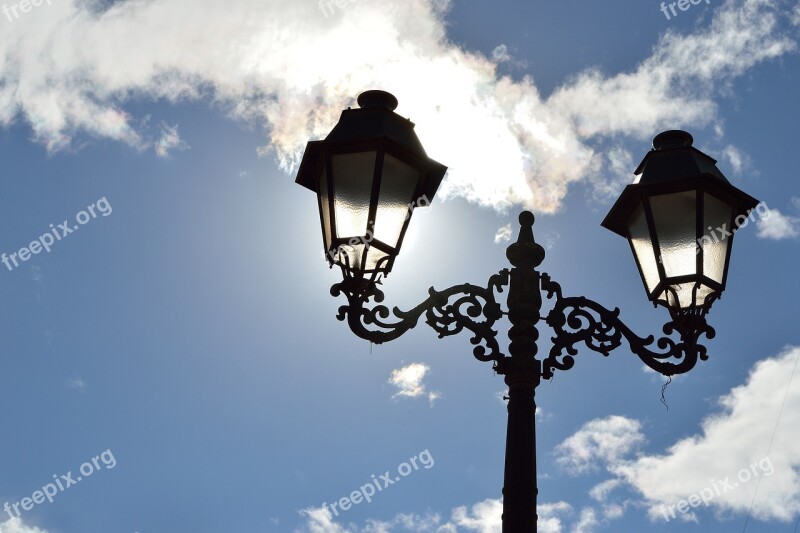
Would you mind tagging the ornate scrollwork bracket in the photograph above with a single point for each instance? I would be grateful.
(574, 320)
(577, 320)
(448, 312)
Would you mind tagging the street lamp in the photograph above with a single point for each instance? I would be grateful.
(369, 174)
(679, 219)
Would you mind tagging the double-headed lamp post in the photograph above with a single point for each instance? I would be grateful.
(371, 171)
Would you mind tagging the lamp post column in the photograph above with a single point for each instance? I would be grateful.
(522, 373)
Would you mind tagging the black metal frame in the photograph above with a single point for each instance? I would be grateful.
(700, 188)
(372, 127)
(574, 321)
(675, 166)
(380, 148)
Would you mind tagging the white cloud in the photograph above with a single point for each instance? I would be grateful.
(775, 225)
(433, 396)
(613, 511)
(169, 140)
(503, 234)
(741, 35)
(731, 441)
(15, 525)
(724, 461)
(69, 71)
(409, 382)
(620, 167)
(77, 384)
(736, 158)
(408, 522)
(319, 520)
(587, 521)
(500, 54)
(601, 491)
(551, 516)
(484, 517)
(599, 441)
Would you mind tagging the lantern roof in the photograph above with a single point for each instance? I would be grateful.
(674, 156)
(674, 164)
(375, 123)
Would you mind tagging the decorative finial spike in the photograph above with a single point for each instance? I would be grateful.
(526, 218)
(525, 252)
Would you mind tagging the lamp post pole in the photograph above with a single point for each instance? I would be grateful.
(372, 165)
(522, 373)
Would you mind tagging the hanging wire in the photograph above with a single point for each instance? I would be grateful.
(797, 524)
(769, 449)
(663, 392)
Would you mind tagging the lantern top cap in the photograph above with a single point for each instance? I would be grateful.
(674, 165)
(377, 98)
(672, 139)
(372, 126)
(674, 157)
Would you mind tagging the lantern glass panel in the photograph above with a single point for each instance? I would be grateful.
(674, 217)
(325, 207)
(398, 184)
(352, 188)
(717, 219)
(643, 248)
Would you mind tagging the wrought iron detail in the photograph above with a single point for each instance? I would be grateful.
(574, 320)
(577, 320)
(448, 312)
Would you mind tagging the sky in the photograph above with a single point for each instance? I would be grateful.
(171, 358)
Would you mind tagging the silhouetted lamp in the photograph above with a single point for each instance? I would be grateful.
(368, 173)
(679, 220)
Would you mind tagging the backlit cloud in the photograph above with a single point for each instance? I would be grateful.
(409, 382)
(70, 71)
(732, 460)
(777, 226)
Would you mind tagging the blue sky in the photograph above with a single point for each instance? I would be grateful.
(179, 351)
